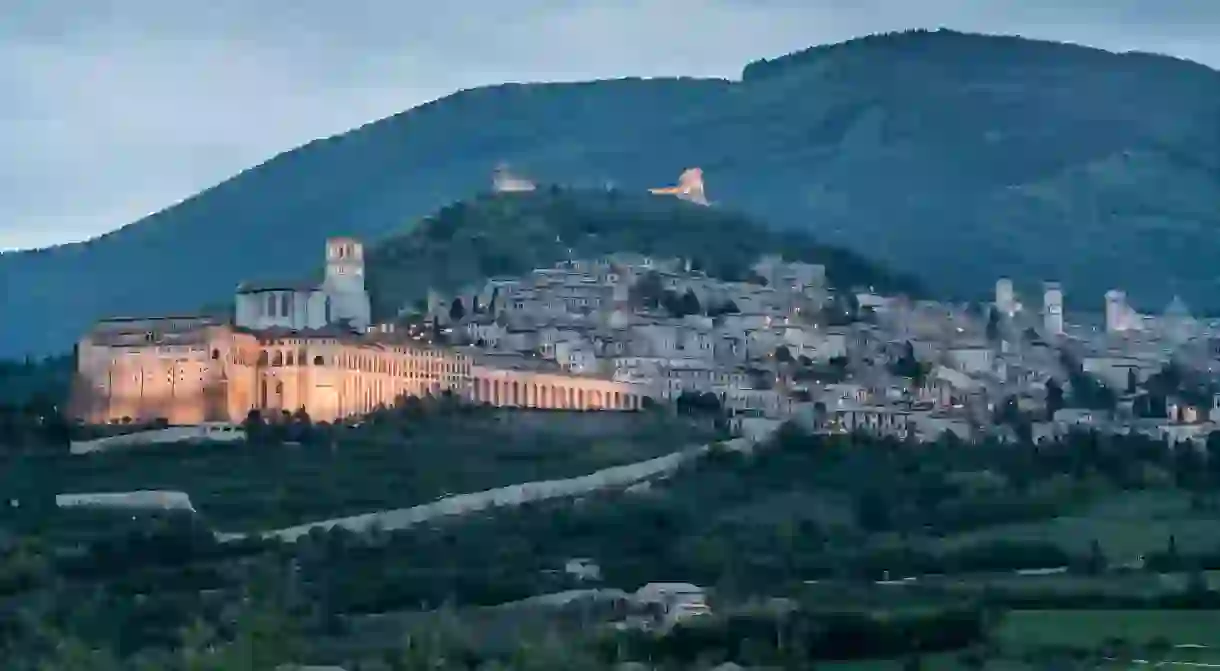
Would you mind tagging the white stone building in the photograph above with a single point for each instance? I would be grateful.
(341, 297)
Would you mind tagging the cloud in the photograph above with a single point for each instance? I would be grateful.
(112, 109)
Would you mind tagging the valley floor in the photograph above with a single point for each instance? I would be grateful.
(842, 526)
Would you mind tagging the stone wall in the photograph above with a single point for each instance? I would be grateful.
(512, 495)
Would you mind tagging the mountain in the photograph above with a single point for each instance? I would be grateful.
(512, 233)
(955, 157)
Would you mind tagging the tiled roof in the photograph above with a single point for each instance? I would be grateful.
(270, 285)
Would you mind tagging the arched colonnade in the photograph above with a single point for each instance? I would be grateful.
(553, 392)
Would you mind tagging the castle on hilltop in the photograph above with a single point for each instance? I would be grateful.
(689, 188)
(292, 347)
(504, 181)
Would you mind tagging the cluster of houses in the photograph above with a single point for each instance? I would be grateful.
(617, 332)
(780, 347)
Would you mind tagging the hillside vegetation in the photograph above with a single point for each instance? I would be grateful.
(813, 519)
(512, 233)
(959, 157)
(399, 458)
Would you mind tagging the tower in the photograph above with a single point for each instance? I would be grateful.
(1116, 311)
(1052, 308)
(1177, 324)
(344, 284)
(1005, 300)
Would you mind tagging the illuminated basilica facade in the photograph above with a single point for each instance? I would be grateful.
(300, 348)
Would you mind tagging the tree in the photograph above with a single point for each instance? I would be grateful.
(728, 307)
(1090, 392)
(457, 310)
(69, 653)
(1096, 562)
(672, 304)
(1167, 381)
(1213, 453)
(1187, 466)
(690, 303)
(300, 426)
(1158, 649)
(1118, 649)
(197, 641)
(1008, 412)
(851, 304)
(647, 291)
(906, 365)
(972, 659)
(491, 304)
(873, 511)
(255, 427)
(694, 402)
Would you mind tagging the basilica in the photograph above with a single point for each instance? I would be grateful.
(290, 347)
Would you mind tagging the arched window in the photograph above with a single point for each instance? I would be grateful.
(215, 355)
(289, 360)
(318, 361)
(262, 358)
(278, 359)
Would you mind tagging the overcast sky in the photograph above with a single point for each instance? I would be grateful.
(113, 109)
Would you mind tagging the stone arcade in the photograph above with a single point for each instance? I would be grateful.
(293, 347)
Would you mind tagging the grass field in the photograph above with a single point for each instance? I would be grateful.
(238, 487)
(1131, 584)
(1091, 628)
(1024, 632)
(1127, 526)
(942, 662)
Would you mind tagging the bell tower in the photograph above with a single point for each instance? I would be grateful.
(345, 263)
(344, 284)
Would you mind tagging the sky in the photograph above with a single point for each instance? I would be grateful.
(113, 109)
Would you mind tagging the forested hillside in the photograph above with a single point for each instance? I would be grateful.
(512, 233)
(955, 157)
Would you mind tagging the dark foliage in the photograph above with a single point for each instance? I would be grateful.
(514, 233)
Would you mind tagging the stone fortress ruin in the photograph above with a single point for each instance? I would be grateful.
(689, 187)
(503, 180)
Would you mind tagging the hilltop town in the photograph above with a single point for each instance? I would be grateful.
(785, 346)
(623, 331)
(587, 406)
